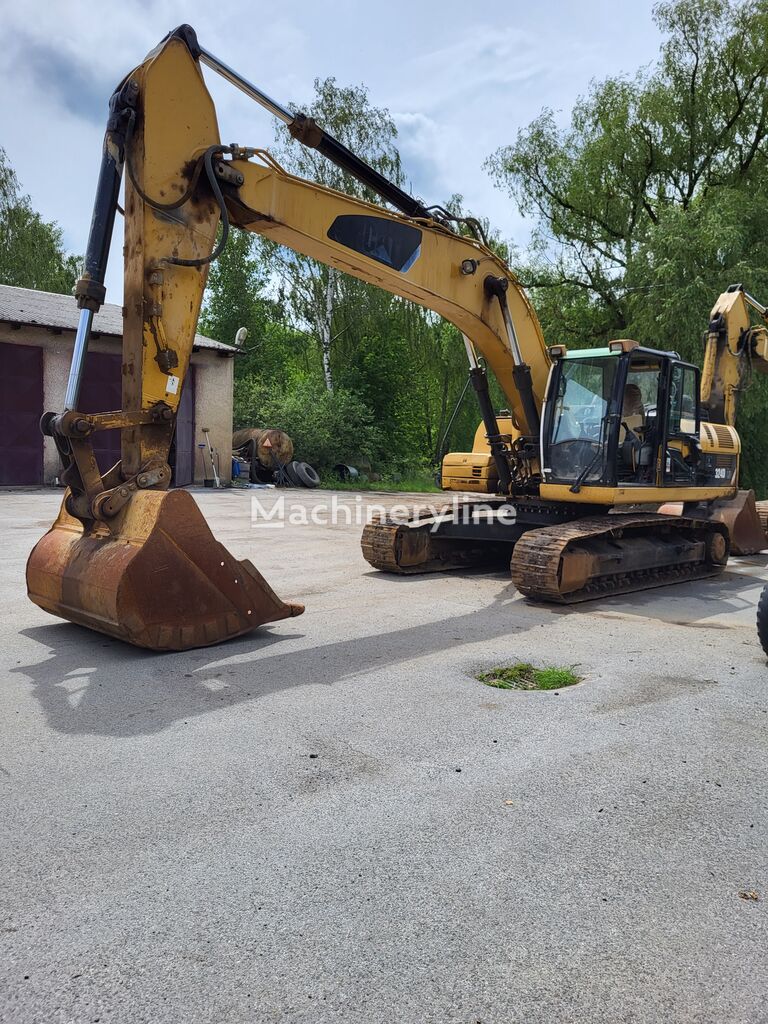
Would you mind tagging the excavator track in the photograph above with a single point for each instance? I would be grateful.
(408, 544)
(616, 554)
(381, 544)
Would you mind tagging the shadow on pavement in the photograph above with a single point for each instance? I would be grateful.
(730, 598)
(731, 595)
(92, 684)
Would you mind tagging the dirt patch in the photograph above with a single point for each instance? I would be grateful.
(655, 689)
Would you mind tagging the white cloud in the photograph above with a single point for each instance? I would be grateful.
(460, 79)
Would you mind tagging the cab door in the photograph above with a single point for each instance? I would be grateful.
(680, 449)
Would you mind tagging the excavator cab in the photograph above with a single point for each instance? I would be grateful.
(626, 417)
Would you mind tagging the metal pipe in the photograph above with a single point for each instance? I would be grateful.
(244, 85)
(521, 371)
(471, 353)
(499, 450)
(758, 306)
(89, 290)
(216, 481)
(77, 365)
(514, 343)
(496, 287)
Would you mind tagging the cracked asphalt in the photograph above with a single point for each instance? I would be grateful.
(332, 820)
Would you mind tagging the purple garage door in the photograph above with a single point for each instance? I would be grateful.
(21, 406)
(101, 392)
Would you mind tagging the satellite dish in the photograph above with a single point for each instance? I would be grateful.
(242, 334)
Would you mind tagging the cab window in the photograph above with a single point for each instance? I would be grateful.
(638, 430)
(683, 393)
(576, 446)
(582, 399)
(641, 391)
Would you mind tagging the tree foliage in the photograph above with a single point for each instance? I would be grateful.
(327, 427)
(31, 251)
(316, 290)
(238, 296)
(649, 202)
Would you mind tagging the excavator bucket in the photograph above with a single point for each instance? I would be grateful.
(157, 578)
(741, 516)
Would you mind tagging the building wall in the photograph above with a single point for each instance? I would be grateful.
(214, 383)
(214, 380)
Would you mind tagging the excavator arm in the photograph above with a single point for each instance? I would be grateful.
(734, 348)
(128, 557)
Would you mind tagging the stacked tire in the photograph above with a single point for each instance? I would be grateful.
(301, 474)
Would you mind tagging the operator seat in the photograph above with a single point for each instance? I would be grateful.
(632, 426)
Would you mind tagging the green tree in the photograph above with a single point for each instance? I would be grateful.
(316, 291)
(31, 251)
(647, 204)
(326, 427)
(238, 295)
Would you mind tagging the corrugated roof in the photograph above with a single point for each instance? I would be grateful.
(49, 309)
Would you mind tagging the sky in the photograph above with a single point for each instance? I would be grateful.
(459, 78)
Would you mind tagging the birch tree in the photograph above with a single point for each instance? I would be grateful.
(314, 291)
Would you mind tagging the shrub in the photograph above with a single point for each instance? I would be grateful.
(326, 426)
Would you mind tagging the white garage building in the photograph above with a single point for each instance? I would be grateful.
(37, 331)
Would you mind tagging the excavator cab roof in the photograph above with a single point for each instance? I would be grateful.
(616, 349)
(587, 353)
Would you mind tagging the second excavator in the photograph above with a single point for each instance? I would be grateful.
(592, 444)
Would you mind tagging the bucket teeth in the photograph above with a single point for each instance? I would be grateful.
(159, 579)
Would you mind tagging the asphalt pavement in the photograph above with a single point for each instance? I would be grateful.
(332, 819)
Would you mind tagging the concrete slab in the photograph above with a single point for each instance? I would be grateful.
(332, 820)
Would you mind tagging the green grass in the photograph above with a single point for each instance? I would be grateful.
(523, 676)
(419, 484)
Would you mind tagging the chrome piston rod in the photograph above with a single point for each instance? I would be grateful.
(77, 366)
(218, 65)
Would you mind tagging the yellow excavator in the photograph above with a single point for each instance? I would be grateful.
(587, 435)
(619, 429)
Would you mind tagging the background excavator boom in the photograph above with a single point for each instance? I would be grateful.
(733, 349)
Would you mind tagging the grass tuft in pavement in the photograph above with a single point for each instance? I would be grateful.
(523, 676)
